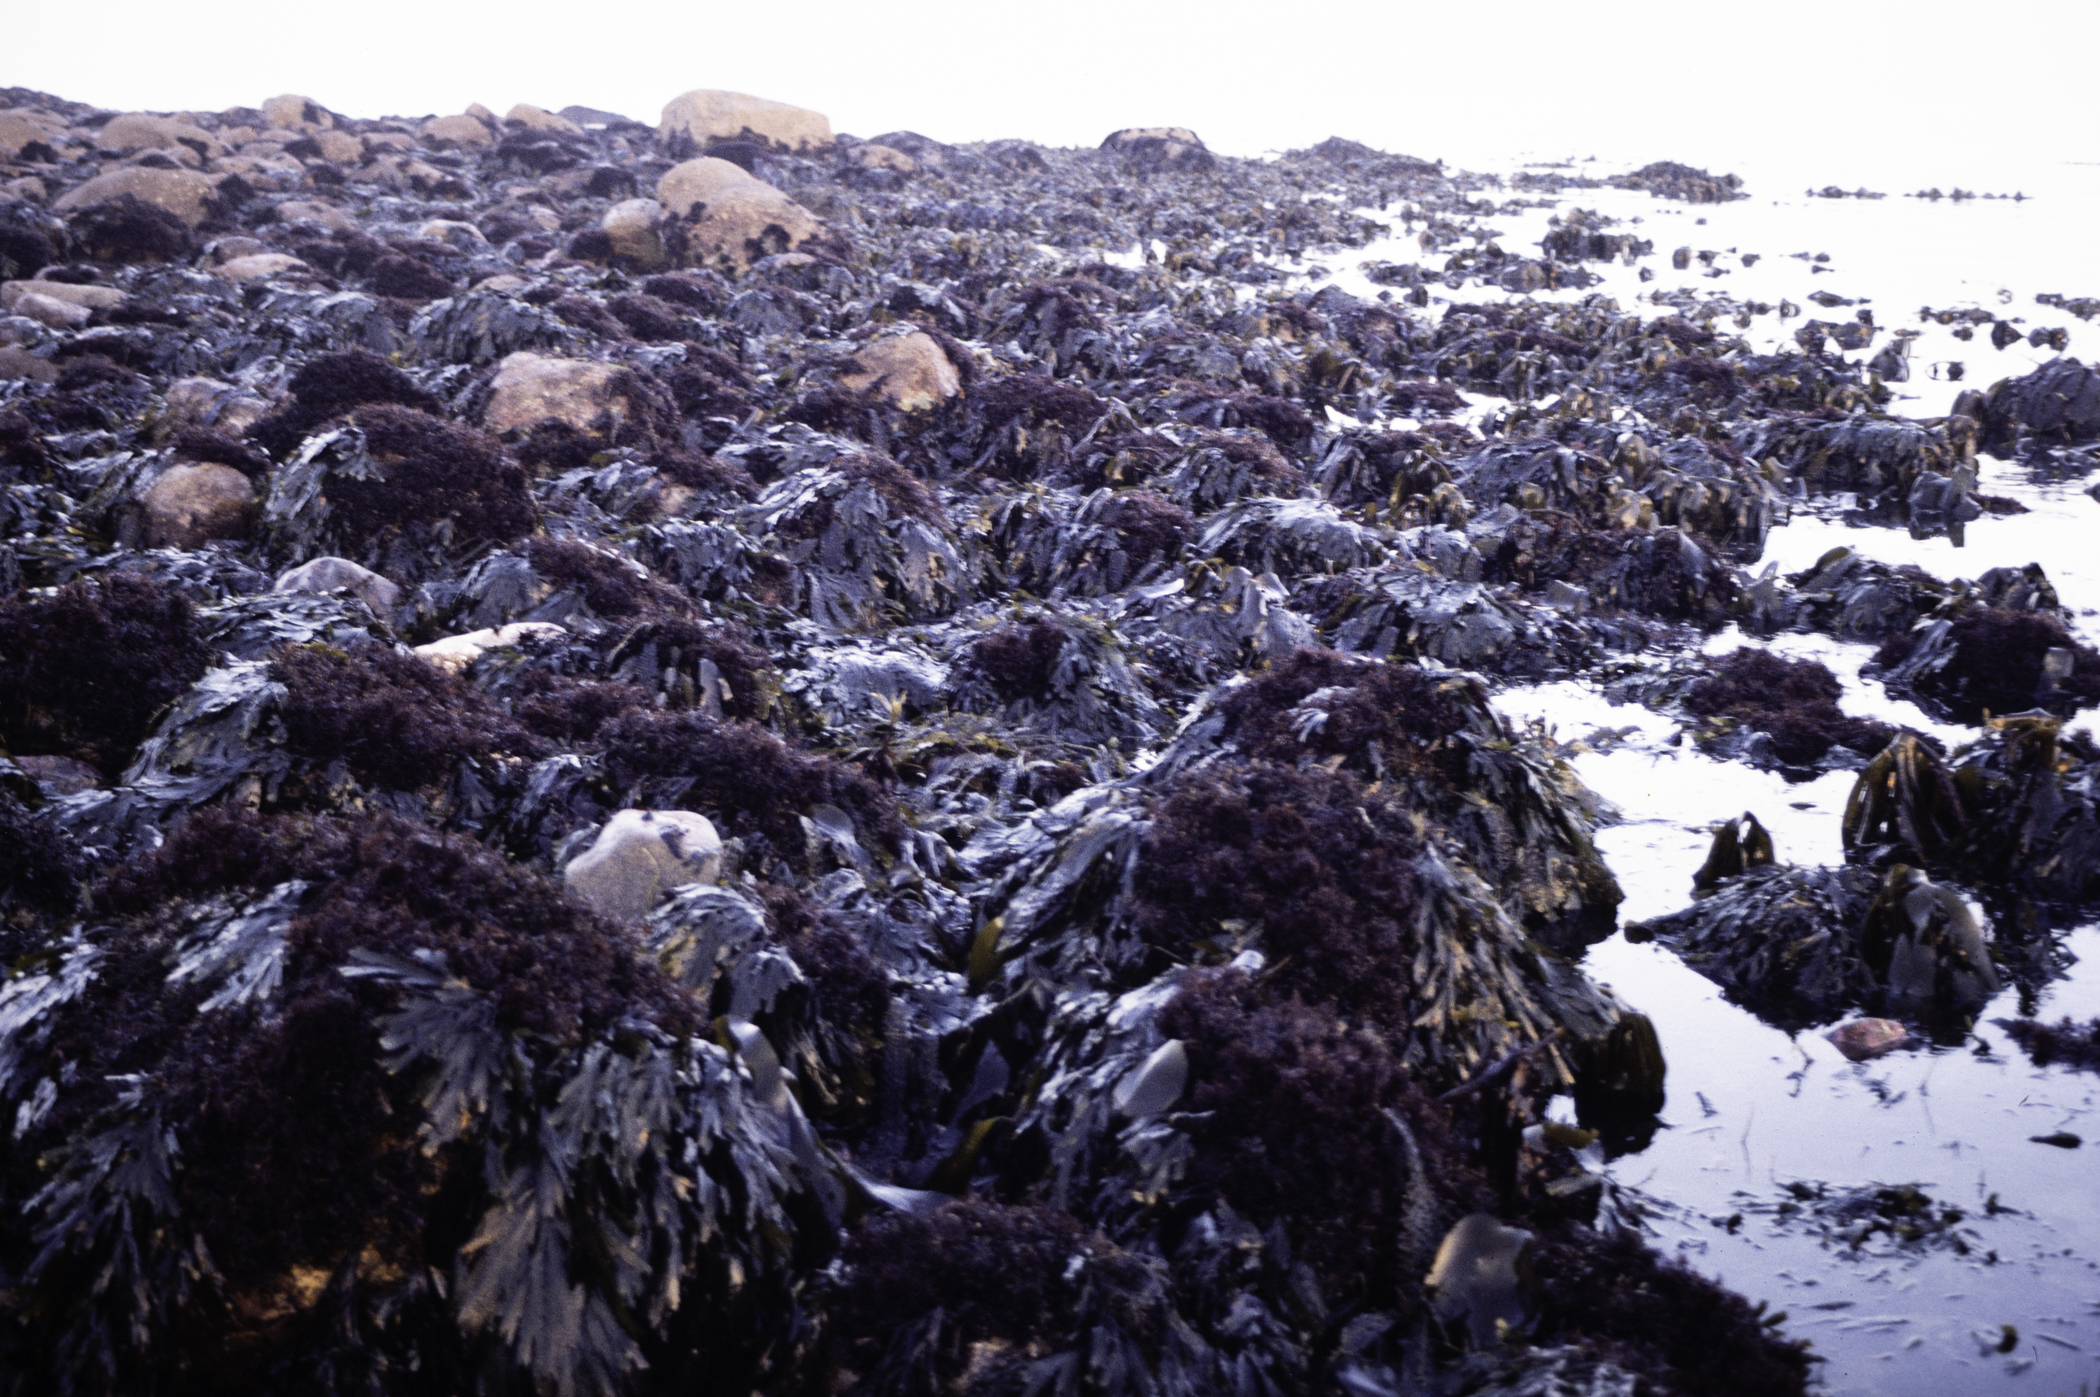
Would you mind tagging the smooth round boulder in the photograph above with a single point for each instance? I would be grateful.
(634, 227)
(639, 856)
(137, 131)
(880, 157)
(50, 312)
(92, 297)
(342, 575)
(466, 132)
(335, 220)
(687, 185)
(184, 193)
(911, 371)
(295, 113)
(339, 147)
(19, 130)
(529, 389)
(693, 119)
(196, 502)
(730, 219)
(207, 402)
(260, 266)
(540, 119)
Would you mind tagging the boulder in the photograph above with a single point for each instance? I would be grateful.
(339, 147)
(540, 119)
(730, 220)
(51, 312)
(19, 364)
(1172, 149)
(880, 157)
(137, 131)
(89, 297)
(463, 131)
(456, 654)
(340, 574)
(1480, 1279)
(260, 266)
(19, 130)
(186, 194)
(691, 121)
(634, 227)
(1865, 1039)
(294, 113)
(335, 220)
(196, 502)
(639, 856)
(529, 389)
(911, 371)
(206, 402)
(454, 233)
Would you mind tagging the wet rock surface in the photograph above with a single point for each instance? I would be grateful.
(714, 753)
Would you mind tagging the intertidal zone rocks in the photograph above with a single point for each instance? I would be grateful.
(717, 755)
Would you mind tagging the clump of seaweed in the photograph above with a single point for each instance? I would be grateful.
(331, 385)
(1989, 660)
(1018, 660)
(1396, 709)
(744, 778)
(717, 668)
(84, 669)
(395, 720)
(1795, 702)
(2066, 1041)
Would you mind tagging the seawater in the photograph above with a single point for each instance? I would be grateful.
(1752, 1108)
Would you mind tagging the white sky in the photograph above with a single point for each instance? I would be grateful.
(1842, 83)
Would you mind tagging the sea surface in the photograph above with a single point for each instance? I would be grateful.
(1753, 1109)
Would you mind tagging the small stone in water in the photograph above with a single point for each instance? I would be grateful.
(2062, 1139)
(1864, 1039)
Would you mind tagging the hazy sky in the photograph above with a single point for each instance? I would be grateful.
(1642, 80)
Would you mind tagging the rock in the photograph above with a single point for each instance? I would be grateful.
(88, 297)
(2057, 403)
(293, 113)
(634, 227)
(1865, 1039)
(728, 224)
(540, 119)
(911, 371)
(21, 130)
(138, 131)
(194, 503)
(340, 574)
(878, 157)
(1480, 1278)
(206, 402)
(186, 194)
(466, 132)
(1160, 149)
(639, 856)
(339, 147)
(335, 220)
(20, 364)
(2062, 1139)
(49, 311)
(61, 776)
(454, 233)
(260, 266)
(530, 388)
(457, 653)
(693, 120)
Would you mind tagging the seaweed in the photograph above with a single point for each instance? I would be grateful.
(1990, 660)
(1397, 707)
(40, 868)
(1018, 660)
(127, 229)
(2075, 1045)
(413, 473)
(330, 385)
(728, 672)
(1794, 701)
(85, 669)
(392, 719)
(744, 778)
(612, 587)
(409, 279)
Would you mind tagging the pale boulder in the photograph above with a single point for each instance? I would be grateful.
(206, 402)
(22, 129)
(183, 193)
(455, 233)
(877, 157)
(295, 113)
(1156, 149)
(692, 120)
(540, 119)
(338, 147)
(92, 297)
(340, 574)
(18, 363)
(194, 503)
(51, 313)
(911, 371)
(634, 227)
(138, 131)
(456, 654)
(730, 218)
(465, 132)
(530, 388)
(335, 220)
(260, 266)
(639, 856)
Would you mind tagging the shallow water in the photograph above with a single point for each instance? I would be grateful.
(1752, 1108)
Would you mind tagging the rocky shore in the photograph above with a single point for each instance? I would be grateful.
(714, 756)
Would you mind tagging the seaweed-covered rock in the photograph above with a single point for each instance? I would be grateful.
(869, 544)
(2058, 403)
(1792, 703)
(1990, 660)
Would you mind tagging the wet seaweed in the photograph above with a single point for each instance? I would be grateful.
(1795, 702)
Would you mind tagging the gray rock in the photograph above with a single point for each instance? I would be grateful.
(639, 856)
